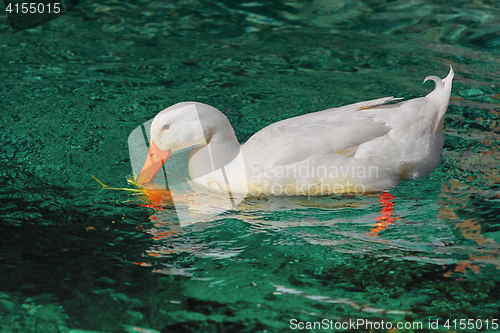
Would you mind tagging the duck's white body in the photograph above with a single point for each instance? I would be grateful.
(359, 148)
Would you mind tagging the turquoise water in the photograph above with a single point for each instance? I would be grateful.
(75, 256)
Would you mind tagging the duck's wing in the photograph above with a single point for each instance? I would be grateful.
(298, 139)
(351, 108)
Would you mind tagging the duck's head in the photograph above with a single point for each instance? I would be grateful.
(180, 126)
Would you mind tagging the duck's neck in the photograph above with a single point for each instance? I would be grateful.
(222, 147)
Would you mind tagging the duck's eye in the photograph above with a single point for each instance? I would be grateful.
(166, 127)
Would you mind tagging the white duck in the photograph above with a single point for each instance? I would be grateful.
(360, 148)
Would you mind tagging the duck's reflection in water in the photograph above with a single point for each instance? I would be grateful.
(387, 214)
(272, 215)
(379, 226)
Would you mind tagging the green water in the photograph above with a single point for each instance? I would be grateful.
(74, 256)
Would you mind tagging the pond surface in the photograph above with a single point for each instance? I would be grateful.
(76, 257)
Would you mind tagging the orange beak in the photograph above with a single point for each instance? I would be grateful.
(154, 161)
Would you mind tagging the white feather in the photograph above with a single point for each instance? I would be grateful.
(331, 147)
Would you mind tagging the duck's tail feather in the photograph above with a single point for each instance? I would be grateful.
(449, 77)
(440, 95)
(437, 80)
(441, 83)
